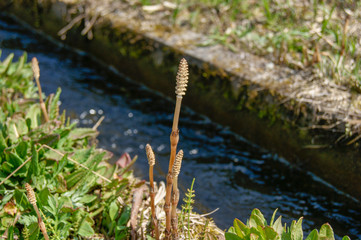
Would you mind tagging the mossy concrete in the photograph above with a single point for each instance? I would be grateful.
(253, 97)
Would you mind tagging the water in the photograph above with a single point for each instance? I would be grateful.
(231, 173)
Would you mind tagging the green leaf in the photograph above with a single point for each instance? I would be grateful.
(4, 66)
(326, 231)
(113, 210)
(80, 133)
(296, 230)
(270, 233)
(16, 161)
(34, 169)
(21, 200)
(273, 217)
(54, 107)
(59, 167)
(124, 217)
(34, 231)
(21, 62)
(346, 238)
(22, 149)
(240, 228)
(232, 236)
(253, 236)
(313, 235)
(3, 144)
(286, 236)
(34, 115)
(277, 226)
(11, 233)
(258, 217)
(86, 229)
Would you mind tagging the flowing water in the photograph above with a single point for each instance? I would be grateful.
(231, 173)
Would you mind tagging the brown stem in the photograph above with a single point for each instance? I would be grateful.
(174, 217)
(174, 138)
(152, 196)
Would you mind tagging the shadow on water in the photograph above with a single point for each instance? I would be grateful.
(231, 173)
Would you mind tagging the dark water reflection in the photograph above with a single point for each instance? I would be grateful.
(231, 173)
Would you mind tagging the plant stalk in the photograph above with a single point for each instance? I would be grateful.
(180, 89)
(174, 139)
(32, 200)
(175, 200)
(152, 197)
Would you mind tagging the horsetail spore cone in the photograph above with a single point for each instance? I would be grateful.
(150, 155)
(177, 164)
(151, 161)
(36, 72)
(182, 78)
(180, 90)
(31, 194)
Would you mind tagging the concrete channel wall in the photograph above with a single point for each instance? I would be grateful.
(261, 101)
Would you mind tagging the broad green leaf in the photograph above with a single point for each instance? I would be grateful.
(270, 233)
(34, 115)
(4, 66)
(21, 200)
(88, 198)
(86, 229)
(59, 167)
(277, 226)
(80, 133)
(254, 237)
(16, 161)
(296, 230)
(3, 144)
(313, 235)
(326, 231)
(21, 62)
(124, 217)
(241, 229)
(82, 155)
(22, 149)
(34, 169)
(255, 221)
(346, 238)
(113, 210)
(286, 236)
(232, 236)
(34, 231)
(43, 196)
(258, 217)
(232, 230)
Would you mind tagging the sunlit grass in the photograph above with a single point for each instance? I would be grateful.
(322, 36)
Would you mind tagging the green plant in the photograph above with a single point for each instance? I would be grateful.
(257, 228)
(188, 207)
(76, 192)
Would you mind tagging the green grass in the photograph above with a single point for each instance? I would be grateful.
(322, 36)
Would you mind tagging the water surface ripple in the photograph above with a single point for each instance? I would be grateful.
(231, 173)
